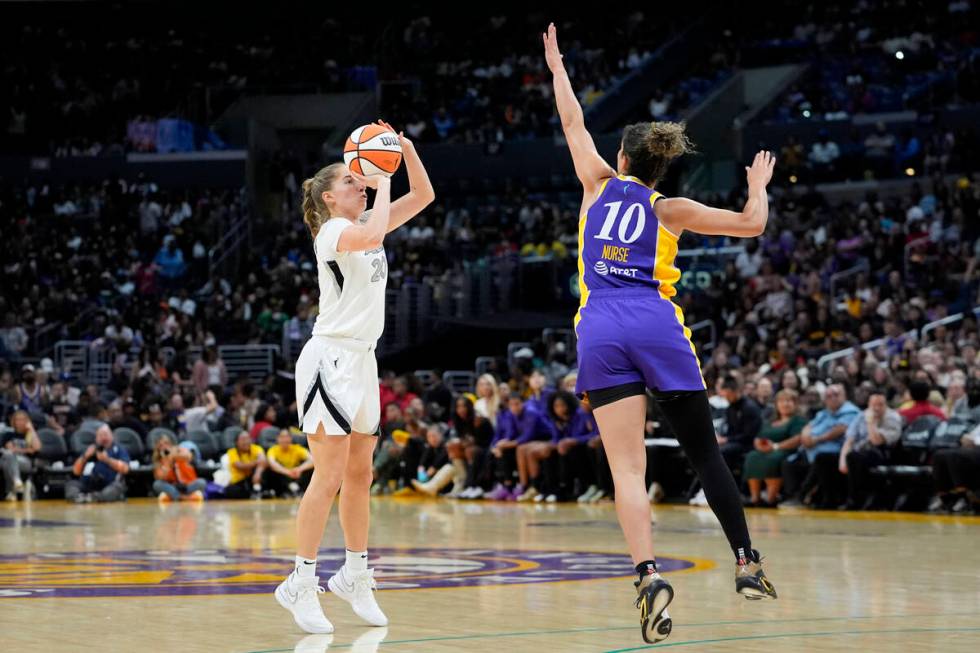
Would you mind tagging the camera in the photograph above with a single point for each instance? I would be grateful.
(99, 448)
(166, 453)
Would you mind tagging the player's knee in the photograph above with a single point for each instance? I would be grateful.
(359, 475)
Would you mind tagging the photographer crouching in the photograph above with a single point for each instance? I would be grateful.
(106, 480)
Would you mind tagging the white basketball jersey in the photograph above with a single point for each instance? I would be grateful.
(352, 287)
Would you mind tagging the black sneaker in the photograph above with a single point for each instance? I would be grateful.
(751, 581)
(655, 594)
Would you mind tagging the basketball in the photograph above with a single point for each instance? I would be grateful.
(373, 150)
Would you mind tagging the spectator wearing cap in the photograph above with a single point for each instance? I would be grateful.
(919, 394)
(105, 481)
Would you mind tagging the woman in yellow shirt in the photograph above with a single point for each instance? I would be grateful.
(246, 462)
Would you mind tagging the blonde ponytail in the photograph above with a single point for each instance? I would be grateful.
(315, 212)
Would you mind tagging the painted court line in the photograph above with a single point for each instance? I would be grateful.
(572, 631)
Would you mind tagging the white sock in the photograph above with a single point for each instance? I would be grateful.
(356, 560)
(305, 568)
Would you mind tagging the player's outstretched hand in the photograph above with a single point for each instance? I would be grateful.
(551, 53)
(760, 172)
(405, 142)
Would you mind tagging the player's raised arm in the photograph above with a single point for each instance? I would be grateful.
(420, 194)
(368, 236)
(590, 168)
(679, 213)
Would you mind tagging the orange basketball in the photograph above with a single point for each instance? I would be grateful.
(373, 150)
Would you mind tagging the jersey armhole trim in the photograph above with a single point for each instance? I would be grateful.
(653, 202)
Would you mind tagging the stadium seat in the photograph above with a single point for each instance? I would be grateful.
(80, 440)
(267, 436)
(907, 480)
(427, 378)
(948, 434)
(154, 435)
(207, 444)
(129, 440)
(53, 447)
(459, 381)
(228, 437)
(301, 439)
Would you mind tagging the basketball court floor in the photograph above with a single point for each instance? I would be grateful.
(459, 576)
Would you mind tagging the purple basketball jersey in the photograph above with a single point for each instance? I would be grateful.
(628, 328)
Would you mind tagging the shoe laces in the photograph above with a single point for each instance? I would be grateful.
(364, 583)
(307, 590)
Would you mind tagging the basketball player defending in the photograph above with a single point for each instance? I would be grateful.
(631, 336)
(337, 377)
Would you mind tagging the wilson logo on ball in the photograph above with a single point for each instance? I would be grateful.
(373, 150)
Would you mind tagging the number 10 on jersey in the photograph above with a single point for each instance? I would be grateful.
(624, 233)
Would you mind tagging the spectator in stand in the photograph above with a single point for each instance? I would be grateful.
(538, 394)
(120, 417)
(434, 471)
(743, 419)
(30, 395)
(956, 473)
(170, 259)
(488, 402)
(13, 339)
(438, 398)
(777, 440)
(173, 472)
(469, 441)
(879, 150)
(956, 403)
(919, 393)
(106, 480)
(574, 427)
(402, 395)
(17, 453)
(821, 441)
(763, 397)
(265, 417)
(823, 156)
(868, 443)
(246, 463)
(290, 466)
(516, 426)
(209, 371)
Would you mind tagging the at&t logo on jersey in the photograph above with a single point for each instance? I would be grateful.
(601, 268)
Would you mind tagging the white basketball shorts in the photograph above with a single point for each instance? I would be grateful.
(337, 384)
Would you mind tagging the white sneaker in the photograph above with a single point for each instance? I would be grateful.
(588, 494)
(699, 499)
(301, 597)
(18, 485)
(597, 496)
(357, 588)
(477, 493)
